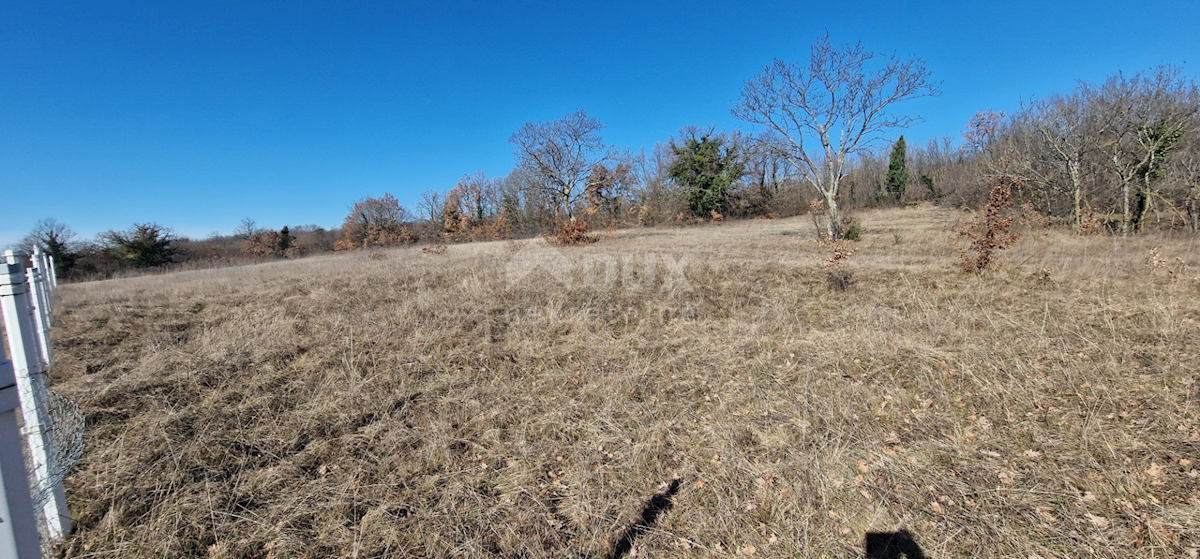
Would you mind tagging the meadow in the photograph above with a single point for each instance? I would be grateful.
(669, 392)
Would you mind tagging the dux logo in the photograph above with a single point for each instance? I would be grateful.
(599, 270)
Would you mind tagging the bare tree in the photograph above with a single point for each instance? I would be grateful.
(431, 205)
(982, 130)
(479, 196)
(47, 233)
(656, 201)
(609, 189)
(836, 100)
(1049, 144)
(559, 155)
(765, 165)
(246, 228)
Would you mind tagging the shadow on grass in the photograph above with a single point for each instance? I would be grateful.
(892, 545)
(657, 505)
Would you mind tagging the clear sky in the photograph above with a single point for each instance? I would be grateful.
(197, 114)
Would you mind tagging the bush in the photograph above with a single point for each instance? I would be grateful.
(268, 244)
(573, 232)
(375, 222)
(393, 236)
(839, 279)
(262, 244)
(838, 253)
(991, 235)
(851, 229)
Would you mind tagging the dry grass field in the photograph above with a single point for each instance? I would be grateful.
(409, 404)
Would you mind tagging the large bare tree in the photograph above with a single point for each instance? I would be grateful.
(833, 106)
(558, 156)
(431, 205)
(246, 228)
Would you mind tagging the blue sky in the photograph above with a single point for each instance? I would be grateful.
(197, 114)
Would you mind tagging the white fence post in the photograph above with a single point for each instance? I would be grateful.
(18, 525)
(53, 272)
(47, 273)
(41, 285)
(31, 384)
(41, 262)
(41, 314)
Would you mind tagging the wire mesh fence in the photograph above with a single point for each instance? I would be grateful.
(65, 430)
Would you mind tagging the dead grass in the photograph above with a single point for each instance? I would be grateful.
(423, 406)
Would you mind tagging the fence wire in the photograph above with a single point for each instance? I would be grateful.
(65, 430)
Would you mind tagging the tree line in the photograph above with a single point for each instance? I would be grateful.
(1119, 157)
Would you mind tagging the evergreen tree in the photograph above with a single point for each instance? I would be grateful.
(57, 240)
(706, 168)
(897, 175)
(144, 245)
(285, 240)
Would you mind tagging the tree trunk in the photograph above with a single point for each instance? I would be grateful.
(1078, 207)
(1193, 211)
(1143, 204)
(833, 226)
(1077, 192)
(1124, 208)
(566, 201)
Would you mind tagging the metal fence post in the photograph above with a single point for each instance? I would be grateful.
(31, 385)
(18, 524)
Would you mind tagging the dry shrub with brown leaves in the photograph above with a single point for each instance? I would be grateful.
(267, 244)
(1090, 224)
(644, 211)
(815, 209)
(463, 215)
(379, 237)
(263, 244)
(573, 232)
(686, 218)
(1031, 218)
(992, 234)
(837, 254)
(1175, 269)
(437, 249)
(389, 236)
